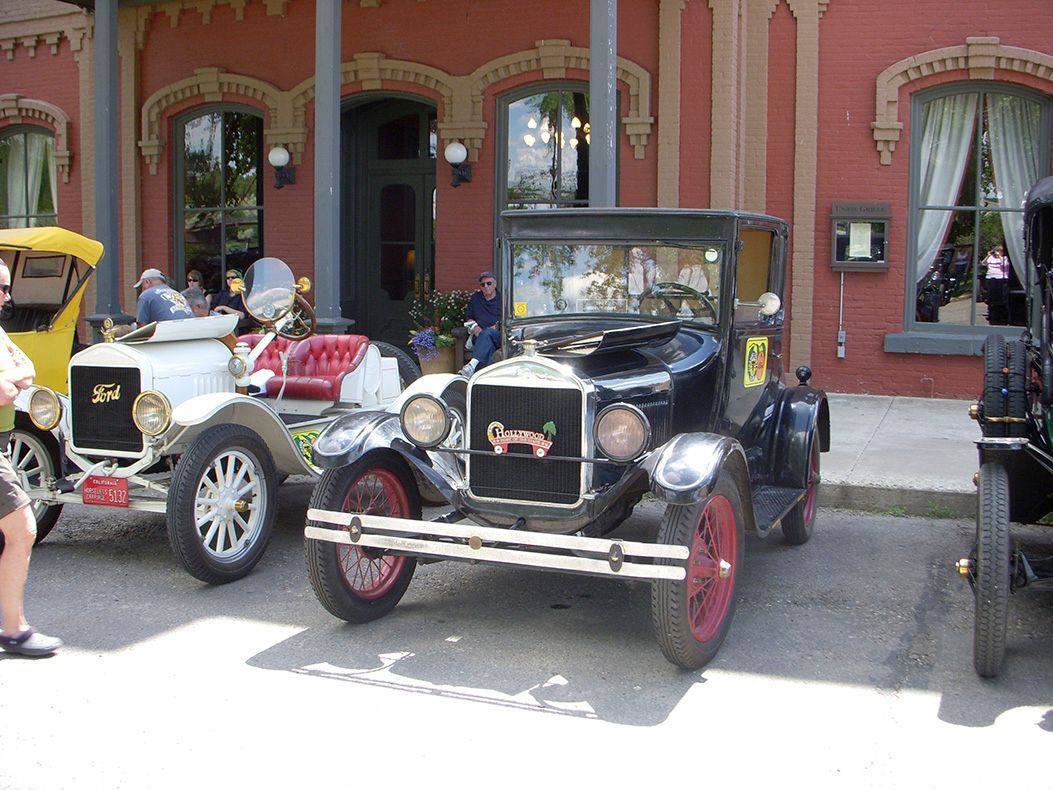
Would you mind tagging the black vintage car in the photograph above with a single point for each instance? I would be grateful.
(1015, 481)
(644, 356)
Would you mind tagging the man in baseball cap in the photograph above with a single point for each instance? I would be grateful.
(158, 302)
(484, 322)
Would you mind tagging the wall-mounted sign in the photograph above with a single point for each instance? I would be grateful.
(860, 236)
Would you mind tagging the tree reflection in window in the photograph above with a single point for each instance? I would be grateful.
(548, 150)
(222, 193)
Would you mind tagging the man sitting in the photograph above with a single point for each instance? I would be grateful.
(158, 302)
(195, 297)
(484, 323)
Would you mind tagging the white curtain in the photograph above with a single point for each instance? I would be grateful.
(1013, 125)
(947, 130)
(36, 159)
(16, 175)
(52, 174)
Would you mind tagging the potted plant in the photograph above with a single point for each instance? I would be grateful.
(435, 315)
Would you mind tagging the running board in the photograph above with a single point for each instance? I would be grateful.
(474, 543)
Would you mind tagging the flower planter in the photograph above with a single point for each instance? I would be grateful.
(442, 362)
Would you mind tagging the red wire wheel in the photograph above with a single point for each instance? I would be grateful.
(358, 583)
(368, 573)
(692, 616)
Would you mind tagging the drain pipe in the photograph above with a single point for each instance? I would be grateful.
(841, 321)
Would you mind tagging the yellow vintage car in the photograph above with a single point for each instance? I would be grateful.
(50, 269)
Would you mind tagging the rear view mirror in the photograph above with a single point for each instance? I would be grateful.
(768, 304)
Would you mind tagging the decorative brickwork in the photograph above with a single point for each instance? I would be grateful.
(18, 109)
(980, 56)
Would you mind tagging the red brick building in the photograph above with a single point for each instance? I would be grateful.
(897, 137)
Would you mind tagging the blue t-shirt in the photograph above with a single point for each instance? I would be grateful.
(484, 312)
(161, 303)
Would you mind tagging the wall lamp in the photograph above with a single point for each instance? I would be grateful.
(283, 173)
(456, 154)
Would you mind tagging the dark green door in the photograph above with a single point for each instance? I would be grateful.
(394, 200)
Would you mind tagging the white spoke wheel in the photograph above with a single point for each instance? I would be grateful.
(34, 457)
(222, 504)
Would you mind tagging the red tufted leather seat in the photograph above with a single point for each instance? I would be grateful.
(318, 365)
(269, 359)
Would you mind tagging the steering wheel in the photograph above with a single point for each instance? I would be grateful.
(298, 323)
(666, 291)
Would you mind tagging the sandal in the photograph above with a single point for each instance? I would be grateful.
(30, 643)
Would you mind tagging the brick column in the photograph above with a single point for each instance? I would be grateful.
(724, 106)
(669, 12)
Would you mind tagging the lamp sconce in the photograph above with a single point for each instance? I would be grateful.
(283, 172)
(456, 154)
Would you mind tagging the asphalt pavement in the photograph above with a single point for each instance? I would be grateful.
(901, 456)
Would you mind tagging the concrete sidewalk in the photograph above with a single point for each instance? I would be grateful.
(902, 455)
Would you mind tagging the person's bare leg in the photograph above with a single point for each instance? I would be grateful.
(20, 530)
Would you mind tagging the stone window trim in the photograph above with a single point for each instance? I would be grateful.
(16, 109)
(980, 56)
(462, 95)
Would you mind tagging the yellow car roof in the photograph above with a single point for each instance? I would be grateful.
(52, 239)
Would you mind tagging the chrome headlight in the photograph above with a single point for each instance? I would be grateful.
(622, 432)
(45, 409)
(425, 421)
(152, 413)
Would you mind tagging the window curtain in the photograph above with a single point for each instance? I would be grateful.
(52, 175)
(36, 160)
(1013, 124)
(947, 130)
(16, 176)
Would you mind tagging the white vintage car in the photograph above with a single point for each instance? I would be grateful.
(183, 418)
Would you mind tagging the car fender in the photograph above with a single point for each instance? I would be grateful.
(196, 414)
(433, 384)
(801, 409)
(684, 470)
(352, 436)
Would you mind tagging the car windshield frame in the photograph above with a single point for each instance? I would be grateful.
(640, 279)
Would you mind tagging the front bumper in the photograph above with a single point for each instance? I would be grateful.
(474, 543)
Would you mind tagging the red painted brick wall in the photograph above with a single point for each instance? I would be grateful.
(54, 79)
(856, 45)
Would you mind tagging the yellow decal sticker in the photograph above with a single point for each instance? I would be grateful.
(756, 367)
(305, 441)
(520, 309)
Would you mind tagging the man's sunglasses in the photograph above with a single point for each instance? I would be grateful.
(6, 289)
(489, 282)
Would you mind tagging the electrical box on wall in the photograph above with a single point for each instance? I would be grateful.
(860, 236)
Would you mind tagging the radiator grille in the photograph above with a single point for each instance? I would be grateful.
(102, 401)
(516, 474)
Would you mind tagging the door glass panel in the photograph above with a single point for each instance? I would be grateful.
(202, 158)
(398, 220)
(574, 149)
(241, 135)
(399, 138)
(202, 243)
(242, 233)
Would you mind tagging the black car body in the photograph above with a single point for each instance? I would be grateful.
(644, 355)
(1015, 412)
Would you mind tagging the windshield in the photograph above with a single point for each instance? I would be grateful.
(649, 280)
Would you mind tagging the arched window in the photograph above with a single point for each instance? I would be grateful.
(27, 178)
(976, 149)
(219, 192)
(546, 139)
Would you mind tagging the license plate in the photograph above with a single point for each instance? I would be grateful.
(112, 491)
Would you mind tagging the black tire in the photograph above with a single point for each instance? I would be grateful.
(35, 456)
(198, 494)
(1005, 387)
(409, 371)
(991, 571)
(798, 524)
(691, 617)
(362, 584)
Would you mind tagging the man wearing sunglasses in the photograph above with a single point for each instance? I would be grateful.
(484, 322)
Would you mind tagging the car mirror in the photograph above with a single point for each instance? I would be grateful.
(768, 304)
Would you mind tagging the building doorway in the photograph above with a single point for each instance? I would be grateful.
(388, 213)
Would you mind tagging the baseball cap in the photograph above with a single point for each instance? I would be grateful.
(149, 274)
(484, 275)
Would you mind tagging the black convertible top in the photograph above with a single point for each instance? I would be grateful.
(1038, 224)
